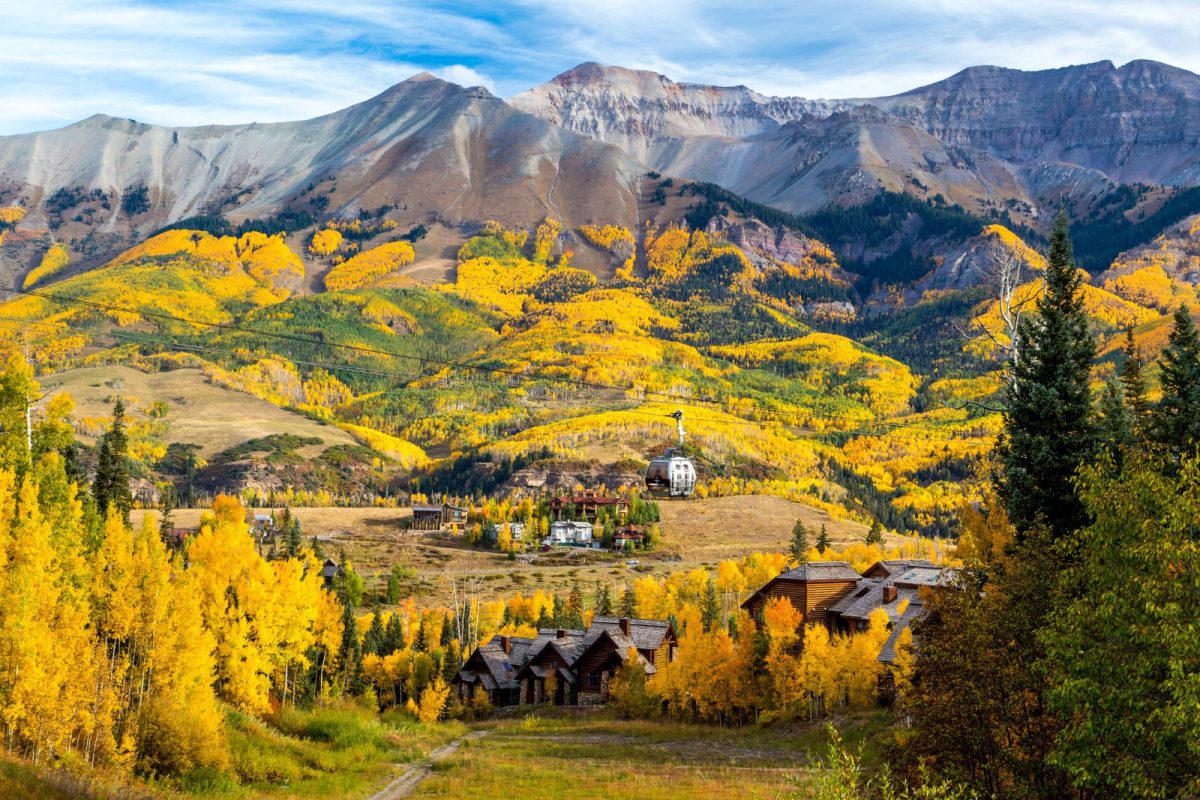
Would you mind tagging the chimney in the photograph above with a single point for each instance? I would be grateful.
(506, 645)
(561, 633)
(889, 594)
(624, 623)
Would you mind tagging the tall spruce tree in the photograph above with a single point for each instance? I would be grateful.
(111, 487)
(604, 606)
(1133, 386)
(799, 548)
(166, 505)
(1049, 425)
(629, 602)
(1177, 416)
(823, 540)
(1116, 421)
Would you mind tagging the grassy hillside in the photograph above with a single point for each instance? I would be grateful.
(523, 361)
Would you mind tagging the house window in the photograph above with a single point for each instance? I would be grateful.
(593, 679)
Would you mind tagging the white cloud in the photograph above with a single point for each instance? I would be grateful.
(465, 76)
(223, 61)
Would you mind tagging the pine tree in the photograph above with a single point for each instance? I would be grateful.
(421, 643)
(604, 607)
(823, 540)
(111, 487)
(166, 504)
(1177, 415)
(393, 636)
(447, 634)
(629, 602)
(799, 542)
(710, 608)
(1133, 385)
(875, 534)
(350, 653)
(1116, 422)
(559, 616)
(575, 608)
(1049, 427)
(375, 638)
(293, 536)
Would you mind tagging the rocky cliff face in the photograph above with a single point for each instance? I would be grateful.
(987, 138)
(1139, 122)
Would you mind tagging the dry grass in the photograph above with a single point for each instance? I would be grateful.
(585, 758)
(717, 528)
(695, 533)
(198, 411)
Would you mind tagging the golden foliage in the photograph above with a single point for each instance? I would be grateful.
(53, 262)
(826, 361)
(1017, 245)
(368, 267)
(545, 238)
(620, 243)
(325, 242)
(400, 450)
(11, 215)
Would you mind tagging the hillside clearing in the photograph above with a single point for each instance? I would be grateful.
(198, 411)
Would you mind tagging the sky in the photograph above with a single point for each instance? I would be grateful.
(191, 62)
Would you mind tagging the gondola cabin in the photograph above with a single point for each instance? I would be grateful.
(672, 474)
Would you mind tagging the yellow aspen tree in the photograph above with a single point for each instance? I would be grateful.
(433, 701)
(32, 676)
(904, 670)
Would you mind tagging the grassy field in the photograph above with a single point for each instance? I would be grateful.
(695, 533)
(198, 412)
(337, 752)
(595, 759)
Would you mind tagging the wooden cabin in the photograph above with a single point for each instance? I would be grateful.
(549, 674)
(492, 669)
(433, 517)
(812, 588)
(607, 646)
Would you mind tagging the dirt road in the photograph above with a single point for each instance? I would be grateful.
(405, 783)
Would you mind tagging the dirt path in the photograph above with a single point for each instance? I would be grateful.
(406, 782)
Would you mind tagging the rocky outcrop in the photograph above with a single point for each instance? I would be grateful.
(986, 138)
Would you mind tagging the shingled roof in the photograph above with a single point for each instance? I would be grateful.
(868, 595)
(820, 571)
(891, 567)
(645, 634)
(915, 610)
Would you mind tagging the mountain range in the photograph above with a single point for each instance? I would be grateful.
(995, 143)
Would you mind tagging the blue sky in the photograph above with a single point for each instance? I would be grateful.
(216, 61)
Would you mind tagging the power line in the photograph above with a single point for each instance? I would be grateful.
(804, 418)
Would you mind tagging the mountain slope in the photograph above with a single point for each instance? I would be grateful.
(430, 147)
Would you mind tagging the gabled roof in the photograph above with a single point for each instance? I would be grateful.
(499, 666)
(891, 567)
(426, 509)
(820, 571)
(621, 645)
(810, 572)
(568, 647)
(646, 634)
